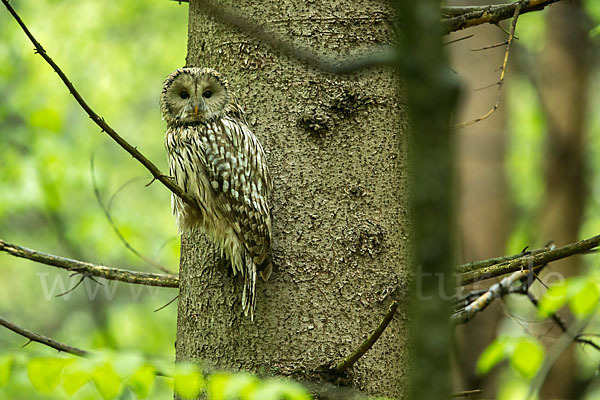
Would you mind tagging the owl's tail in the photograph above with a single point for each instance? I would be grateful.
(249, 293)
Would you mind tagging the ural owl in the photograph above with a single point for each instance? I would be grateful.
(219, 162)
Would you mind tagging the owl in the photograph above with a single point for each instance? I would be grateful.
(217, 160)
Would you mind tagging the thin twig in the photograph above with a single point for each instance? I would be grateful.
(384, 55)
(115, 274)
(112, 223)
(529, 261)
(491, 85)
(555, 352)
(36, 337)
(462, 17)
(466, 393)
(123, 186)
(460, 39)
(491, 46)
(511, 36)
(369, 342)
(73, 288)
(562, 324)
(166, 305)
(133, 151)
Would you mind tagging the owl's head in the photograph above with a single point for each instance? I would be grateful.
(194, 95)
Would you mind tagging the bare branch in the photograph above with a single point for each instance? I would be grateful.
(502, 288)
(349, 361)
(528, 261)
(460, 39)
(462, 17)
(492, 46)
(509, 41)
(156, 173)
(467, 393)
(36, 337)
(84, 268)
(384, 55)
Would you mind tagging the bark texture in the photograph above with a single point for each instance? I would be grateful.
(335, 148)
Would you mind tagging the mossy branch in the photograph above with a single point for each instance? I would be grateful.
(528, 261)
(462, 17)
(88, 269)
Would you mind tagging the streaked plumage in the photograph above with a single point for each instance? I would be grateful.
(217, 160)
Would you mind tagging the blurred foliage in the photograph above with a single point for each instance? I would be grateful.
(117, 54)
(580, 293)
(524, 352)
(130, 376)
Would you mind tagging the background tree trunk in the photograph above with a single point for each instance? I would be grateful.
(484, 213)
(335, 148)
(563, 81)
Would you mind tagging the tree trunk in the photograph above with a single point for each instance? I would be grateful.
(335, 149)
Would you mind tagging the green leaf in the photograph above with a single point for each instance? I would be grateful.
(492, 355)
(45, 372)
(73, 379)
(217, 386)
(553, 300)
(527, 357)
(189, 381)
(224, 386)
(279, 389)
(585, 300)
(107, 381)
(240, 385)
(142, 381)
(6, 363)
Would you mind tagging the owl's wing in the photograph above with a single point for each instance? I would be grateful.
(241, 183)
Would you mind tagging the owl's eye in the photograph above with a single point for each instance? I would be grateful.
(184, 94)
(207, 94)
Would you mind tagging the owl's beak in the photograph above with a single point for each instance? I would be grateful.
(195, 111)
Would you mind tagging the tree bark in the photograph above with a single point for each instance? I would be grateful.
(335, 146)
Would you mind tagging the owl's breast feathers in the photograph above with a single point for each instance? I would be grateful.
(222, 165)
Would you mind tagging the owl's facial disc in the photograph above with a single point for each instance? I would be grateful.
(196, 98)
